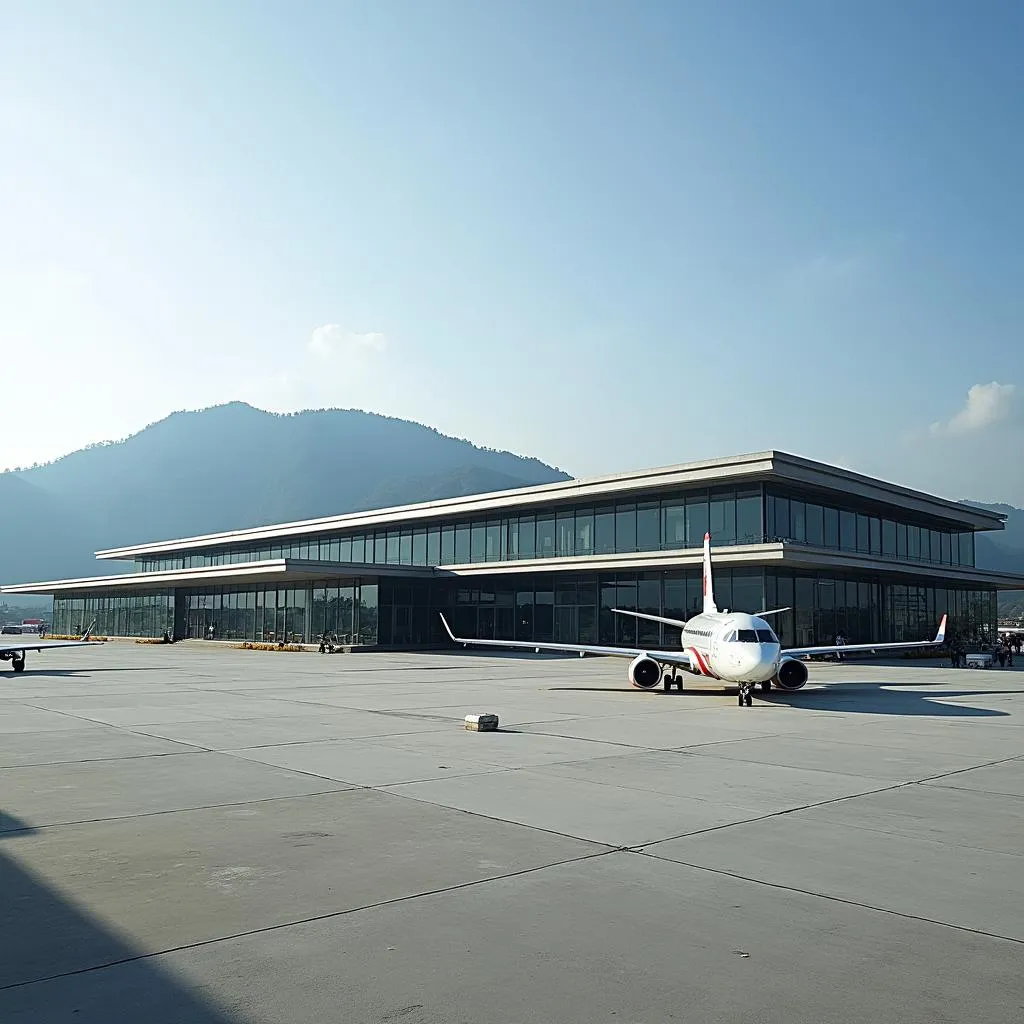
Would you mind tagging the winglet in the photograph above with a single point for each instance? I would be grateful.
(448, 629)
(88, 632)
(941, 635)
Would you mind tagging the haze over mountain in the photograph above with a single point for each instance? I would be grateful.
(227, 467)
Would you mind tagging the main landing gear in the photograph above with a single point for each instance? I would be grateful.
(676, 680)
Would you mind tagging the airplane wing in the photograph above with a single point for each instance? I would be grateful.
(800, 652)
(668, 657)
(45, 645)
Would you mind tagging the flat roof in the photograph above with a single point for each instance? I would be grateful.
(757, 466)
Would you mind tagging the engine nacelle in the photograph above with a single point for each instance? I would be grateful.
(644, 672)
(792, 674)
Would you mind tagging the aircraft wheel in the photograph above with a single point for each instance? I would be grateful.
(766, 686)
(18, 664)
(748, 700)
(740, 699)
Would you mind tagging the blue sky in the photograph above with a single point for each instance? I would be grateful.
(608, 235)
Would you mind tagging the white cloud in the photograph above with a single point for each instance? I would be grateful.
(986, 404)
(334, 340)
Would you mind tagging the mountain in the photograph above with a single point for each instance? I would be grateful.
(228, 467)
(1004, 551)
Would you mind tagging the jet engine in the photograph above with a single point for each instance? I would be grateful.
(644, 672)
(792, 674)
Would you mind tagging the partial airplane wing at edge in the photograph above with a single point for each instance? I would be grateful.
(668, 657)
(800, 652)
(45, 645)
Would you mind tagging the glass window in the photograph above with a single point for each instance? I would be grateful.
(494, 552)
(565, 533)
(888, 538)
(901, 540)
(747, 591)
(697, 521)
(477, 542)
(625, 528)
(419, 547)
(815, 525)
(914, 543)
(766, 636)
(359, 548)
(945, 547)
(797, 511)
(462, 543)
(831, 527)
(546, 536)
(875, 535)
(448, 544)
(747, 636)
(433, 545)
(936, 546)
(648, 527)
(782, 527)
(723, 518)
(604, 531)
(405, 547)
(967, 549)
(748, 517)
(584, 531)
(527, 540)
(673, 525)
(380, 548)
(848, 530)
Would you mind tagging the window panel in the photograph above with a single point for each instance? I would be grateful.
(815, 525)
(527, 540)
(462, 543)
(673, 525)
(648, 527)
(565, 533)
(901, 540)
(847, 530)
(433, 545)
(604, 531)
(584, 531)
(831, 527)
(625, 528)
(380, 548)
(447, 544)
(494, 551)
(697, 521)
(419, 546)
(359, 545)
(748, 517)
(477, 542)
(405, 548)
(722, 514)
(797, 511)
(546, 536)
(888, 538)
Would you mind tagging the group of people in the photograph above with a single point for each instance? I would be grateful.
(1003, 652)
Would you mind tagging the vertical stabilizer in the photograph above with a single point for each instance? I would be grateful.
(709, 586)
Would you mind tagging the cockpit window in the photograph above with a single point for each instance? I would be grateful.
(766, 636)
(730, 637)
(747, 636)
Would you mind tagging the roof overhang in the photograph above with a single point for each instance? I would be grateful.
(284, 571)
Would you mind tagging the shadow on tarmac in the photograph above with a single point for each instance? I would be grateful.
(884, 699)
(53, 955)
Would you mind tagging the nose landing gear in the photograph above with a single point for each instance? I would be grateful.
(744, 697)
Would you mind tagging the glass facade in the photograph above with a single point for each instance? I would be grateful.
(559, 607)
(803, 520)
(673, 522)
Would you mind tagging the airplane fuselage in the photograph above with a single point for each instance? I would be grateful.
(732, 646)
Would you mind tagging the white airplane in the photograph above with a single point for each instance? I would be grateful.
(739, 649)
(15, 653)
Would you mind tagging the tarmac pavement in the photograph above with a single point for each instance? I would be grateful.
(195, 833)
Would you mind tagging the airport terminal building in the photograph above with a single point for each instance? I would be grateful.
(847, 553)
